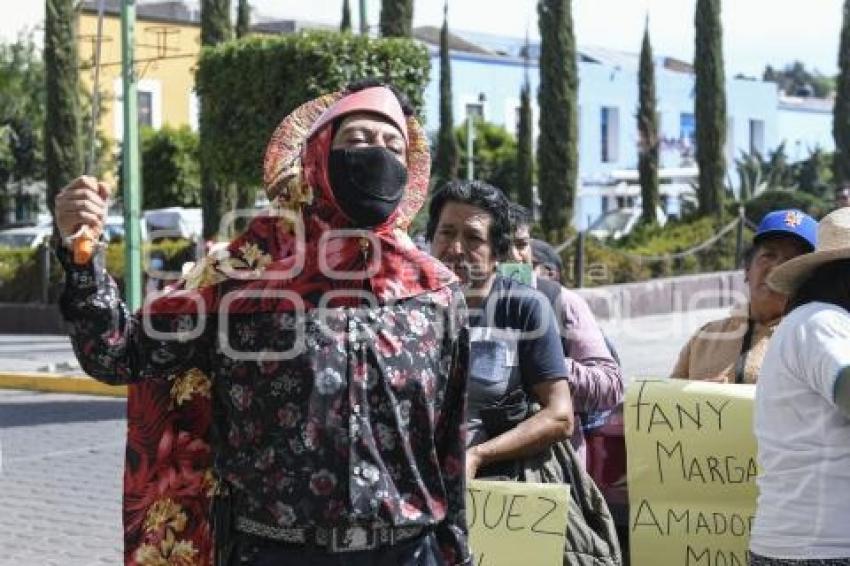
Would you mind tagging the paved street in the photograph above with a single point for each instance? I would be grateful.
(20, 352)
(62, 455)
(60, 479)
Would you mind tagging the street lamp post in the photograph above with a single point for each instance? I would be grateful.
(130, 153)
(470, 137)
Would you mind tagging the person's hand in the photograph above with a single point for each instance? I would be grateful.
(83, 202)
(473, 463)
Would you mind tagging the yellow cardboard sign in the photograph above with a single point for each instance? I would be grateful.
(691, 469)
(514, 523)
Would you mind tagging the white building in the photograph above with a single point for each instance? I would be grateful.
(487, 82)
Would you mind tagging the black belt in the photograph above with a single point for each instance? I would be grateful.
(336, 539)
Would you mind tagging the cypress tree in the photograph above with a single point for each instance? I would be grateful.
(245, 197)
(345, 25)
(841, 110)
(446, 160)
(647, 123)
(396, 18)
(557, 152)
(243, 18)
(217, 198)
(710, 106)
(525, 144)
(63, 139)
(215, 22)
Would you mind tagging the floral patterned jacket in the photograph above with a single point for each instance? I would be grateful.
(331, 417)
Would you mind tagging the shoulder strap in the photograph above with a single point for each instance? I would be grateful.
(746, 345)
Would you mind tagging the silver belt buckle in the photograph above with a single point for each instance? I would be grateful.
(352, 539)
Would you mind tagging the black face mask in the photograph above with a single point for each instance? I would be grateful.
(367, 183)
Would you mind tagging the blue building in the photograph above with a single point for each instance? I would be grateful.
(488, 72)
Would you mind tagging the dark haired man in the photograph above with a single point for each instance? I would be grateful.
(515, 348)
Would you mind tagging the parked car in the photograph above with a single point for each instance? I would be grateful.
(25, 237)
(174, 222)
(113, 229)
(34, 236)
(617, 223)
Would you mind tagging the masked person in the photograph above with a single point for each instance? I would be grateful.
(309, 380)
(732, 350)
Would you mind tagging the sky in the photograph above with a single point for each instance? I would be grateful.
(756, 32)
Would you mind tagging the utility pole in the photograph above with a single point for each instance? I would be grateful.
(130, 152)
(364, 23)
(470, 147)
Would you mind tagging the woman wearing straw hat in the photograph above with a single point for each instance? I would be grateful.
(802, 411)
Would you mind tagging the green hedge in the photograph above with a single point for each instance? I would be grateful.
(779, 199)
(607, 263)
(250, 85)
(20, 278)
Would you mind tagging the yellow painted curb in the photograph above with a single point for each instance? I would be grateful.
(56, 383)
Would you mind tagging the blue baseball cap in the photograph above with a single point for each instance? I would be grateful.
(790, 222)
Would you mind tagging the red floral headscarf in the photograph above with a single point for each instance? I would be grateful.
(304, 242)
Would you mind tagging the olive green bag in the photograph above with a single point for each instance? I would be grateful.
(591, 538)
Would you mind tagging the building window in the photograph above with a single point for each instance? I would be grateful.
(757, 136)
(149, 101)
(610, 134)
(687, 130)
(145, 108)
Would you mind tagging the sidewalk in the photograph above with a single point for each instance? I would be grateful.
(46, 363)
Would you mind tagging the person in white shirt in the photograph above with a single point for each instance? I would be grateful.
(802, 411)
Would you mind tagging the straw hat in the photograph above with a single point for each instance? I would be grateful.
(833, 244)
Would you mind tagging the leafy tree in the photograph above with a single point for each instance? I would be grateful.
(557, 150)
(841, 110)
(795, 79)
(446, 160)
(814, 174)
(345, 25)
(218, 197)
(758, 174)
(494, 155)
(777, 199)
(170, 172)
(647, 122)
(63, 141)
(396, 18)
(710, 106)
(243, 18)
(22, 115)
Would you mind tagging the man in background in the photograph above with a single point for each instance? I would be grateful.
(595, 378)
